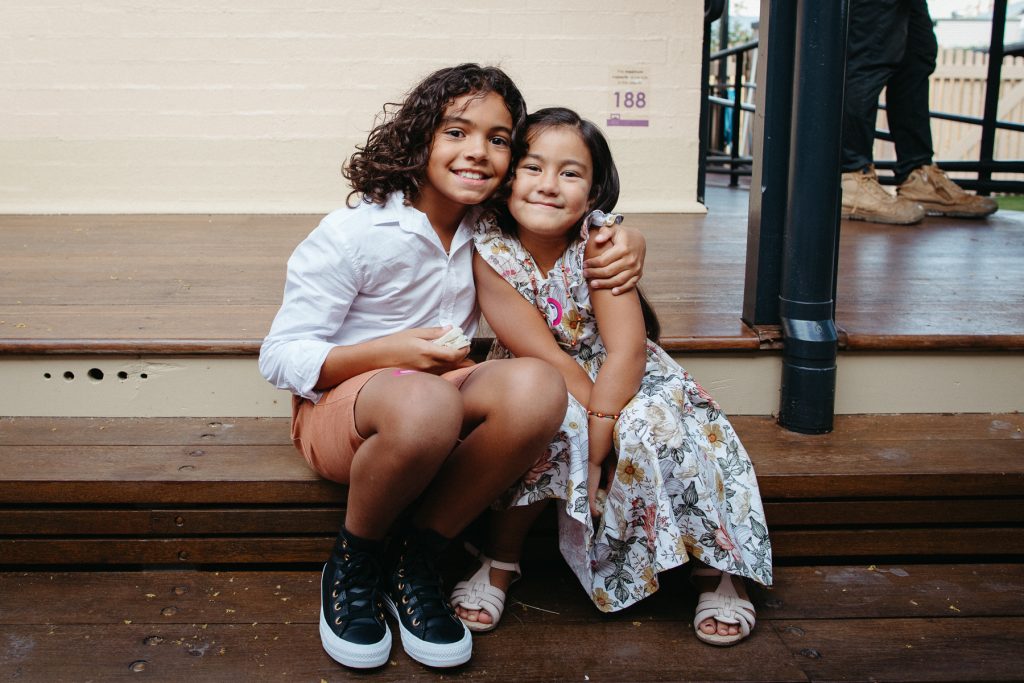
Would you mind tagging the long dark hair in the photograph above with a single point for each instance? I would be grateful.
(394, 158)
(604, 188)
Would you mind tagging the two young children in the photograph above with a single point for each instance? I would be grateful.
(426, 441)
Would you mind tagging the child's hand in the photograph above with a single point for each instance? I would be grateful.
(415, 349)
(620, 263)
(597, 494)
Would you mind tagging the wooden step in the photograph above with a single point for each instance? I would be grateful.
(921, 622)
(201, 491)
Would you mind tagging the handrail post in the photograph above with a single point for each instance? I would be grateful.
(995, 74)
(811, 236)
(734, 179)
(770, 175)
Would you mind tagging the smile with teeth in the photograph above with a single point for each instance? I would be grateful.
(471, 175)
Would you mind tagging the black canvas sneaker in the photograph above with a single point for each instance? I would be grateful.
(352, 626)
(432, 633)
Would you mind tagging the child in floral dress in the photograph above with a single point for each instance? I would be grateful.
(648, 471)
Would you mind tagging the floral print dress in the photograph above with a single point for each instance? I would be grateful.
(683, 486)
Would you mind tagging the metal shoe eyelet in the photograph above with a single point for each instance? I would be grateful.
(337, 622)
(401, 572)
(408, 611)
(346, 557)
(405, 599)
(334, 594)
(401, 586)
(337, 607)
(415, 622)
(344, 543)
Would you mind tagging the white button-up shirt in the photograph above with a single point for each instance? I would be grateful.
(362, 274)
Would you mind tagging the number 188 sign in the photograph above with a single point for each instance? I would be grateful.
(630, 96)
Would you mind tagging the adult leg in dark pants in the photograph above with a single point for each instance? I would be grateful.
(877, 58)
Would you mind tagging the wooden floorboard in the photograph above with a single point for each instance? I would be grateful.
(210, 284)
(863, 622)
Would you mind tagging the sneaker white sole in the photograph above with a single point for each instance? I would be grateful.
(354, 655)
(433, 654)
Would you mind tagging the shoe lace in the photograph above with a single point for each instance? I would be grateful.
(356, 575)
(869, 184)
(943, 182)
(418, 573)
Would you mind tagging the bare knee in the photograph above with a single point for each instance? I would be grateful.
(534, 394)
(417, 415)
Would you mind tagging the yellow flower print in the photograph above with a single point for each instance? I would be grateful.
(714, 435)
(630, 472)
(686, 545)
(602, 600)
(649, 579)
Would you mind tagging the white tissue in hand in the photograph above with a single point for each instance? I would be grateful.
(453, 339)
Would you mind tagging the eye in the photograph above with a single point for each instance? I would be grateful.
(532, 168)
(571, 174)
(500, 141)
(454, 133)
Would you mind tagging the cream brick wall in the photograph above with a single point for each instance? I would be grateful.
(252, 105)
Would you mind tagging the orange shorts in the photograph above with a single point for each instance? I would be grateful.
(325, 432)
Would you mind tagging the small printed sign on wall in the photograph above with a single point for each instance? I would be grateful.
(629, 91)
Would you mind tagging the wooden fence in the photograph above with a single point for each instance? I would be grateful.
(958, 87)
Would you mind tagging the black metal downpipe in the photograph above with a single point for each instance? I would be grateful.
(811, 234)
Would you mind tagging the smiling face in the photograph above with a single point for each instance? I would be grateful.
(551, 189)
(469, 157)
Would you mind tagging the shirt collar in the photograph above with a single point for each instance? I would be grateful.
(412, 220)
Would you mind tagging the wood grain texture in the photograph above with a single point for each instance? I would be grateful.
(846, 622)
(210, 284)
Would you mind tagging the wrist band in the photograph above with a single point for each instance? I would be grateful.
(606, 416)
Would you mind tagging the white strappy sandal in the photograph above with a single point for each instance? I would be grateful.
(478, 593)
(724, 605)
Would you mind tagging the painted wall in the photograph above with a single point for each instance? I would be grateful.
(251, 106)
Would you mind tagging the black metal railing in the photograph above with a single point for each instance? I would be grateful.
(721, 153)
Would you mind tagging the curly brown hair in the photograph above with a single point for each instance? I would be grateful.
(394, 158)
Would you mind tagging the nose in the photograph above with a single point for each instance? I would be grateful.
(548, 182)
(476, 147)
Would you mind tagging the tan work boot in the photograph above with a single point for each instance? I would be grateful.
(930, 187)
(865, 200)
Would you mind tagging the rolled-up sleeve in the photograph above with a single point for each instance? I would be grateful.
(321, 284)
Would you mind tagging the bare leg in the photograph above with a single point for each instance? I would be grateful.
(512, 409)
(411, 422)
(508, 529)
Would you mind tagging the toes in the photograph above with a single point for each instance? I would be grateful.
(708, 627)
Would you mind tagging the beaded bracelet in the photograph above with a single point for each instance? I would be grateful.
(606, 416)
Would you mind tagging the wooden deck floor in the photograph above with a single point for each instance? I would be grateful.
(887, 622)
(211, 284)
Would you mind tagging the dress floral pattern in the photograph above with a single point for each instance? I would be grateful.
(683, 486)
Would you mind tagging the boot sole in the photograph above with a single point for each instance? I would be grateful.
(438, 655)
(959, 214)
(877, 219)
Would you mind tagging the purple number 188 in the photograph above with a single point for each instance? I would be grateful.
(630, 99)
